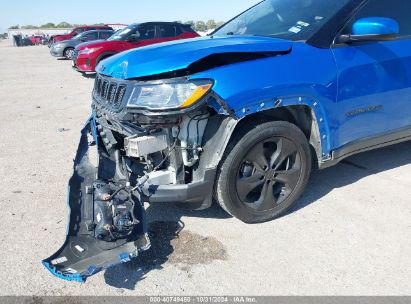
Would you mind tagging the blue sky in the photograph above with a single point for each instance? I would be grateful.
(38, 12)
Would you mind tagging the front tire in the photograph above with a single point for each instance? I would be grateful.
(264, 171)
(68, 53)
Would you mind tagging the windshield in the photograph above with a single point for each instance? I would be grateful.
(124, 33)
(287, 19)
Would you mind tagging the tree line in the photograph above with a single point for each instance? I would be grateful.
(200, 26)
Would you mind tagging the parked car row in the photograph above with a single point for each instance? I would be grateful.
(88, 48)
(65, 48)
(75, 32)
(25, 40)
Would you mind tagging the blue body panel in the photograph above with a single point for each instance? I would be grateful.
(177, 55)
(377, 77)
(354, 91)
(255, 86)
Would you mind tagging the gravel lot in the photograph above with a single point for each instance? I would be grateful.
(349, 235)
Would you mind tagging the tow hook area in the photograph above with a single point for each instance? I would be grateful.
(107, 224)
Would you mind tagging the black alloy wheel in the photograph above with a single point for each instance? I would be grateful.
(264, 172)
(269, 173)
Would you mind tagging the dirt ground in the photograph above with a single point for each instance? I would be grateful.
(349, 235)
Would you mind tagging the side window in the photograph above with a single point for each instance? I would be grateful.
(168, 31)
(147, 32)
(179, 30)
(186, 29)
(105, 35)
(399, 10)
(91, 36)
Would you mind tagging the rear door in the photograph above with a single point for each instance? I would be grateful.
(374, 79)
(169, 32)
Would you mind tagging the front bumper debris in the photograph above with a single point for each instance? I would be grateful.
(107, 223)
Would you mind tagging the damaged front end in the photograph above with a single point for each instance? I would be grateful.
(162, 157)
(107, 223)
(160, 135)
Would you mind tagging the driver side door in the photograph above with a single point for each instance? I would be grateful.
(148, 35)
(374, 78)
(144, 34)
(90, 37)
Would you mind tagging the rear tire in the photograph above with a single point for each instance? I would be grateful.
(264, 171)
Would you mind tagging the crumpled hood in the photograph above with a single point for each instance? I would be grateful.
(179, 55)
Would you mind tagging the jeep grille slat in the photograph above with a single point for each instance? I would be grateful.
(109, 92)
(104, 91)
(120, 95)
(111, 95)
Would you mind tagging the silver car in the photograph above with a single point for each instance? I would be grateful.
(65, 49)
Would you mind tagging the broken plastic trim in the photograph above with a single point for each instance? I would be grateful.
(83, 254)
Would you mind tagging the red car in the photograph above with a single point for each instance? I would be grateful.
(36, 39)
(87, 55)
(75, 32)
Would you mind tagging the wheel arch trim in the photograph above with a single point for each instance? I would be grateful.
(320, 137)
(105, 55)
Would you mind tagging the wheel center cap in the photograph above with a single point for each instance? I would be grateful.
(270, 175)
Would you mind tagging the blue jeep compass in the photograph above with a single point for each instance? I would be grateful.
(239, 117)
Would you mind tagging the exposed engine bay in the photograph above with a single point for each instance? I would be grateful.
(106, 198)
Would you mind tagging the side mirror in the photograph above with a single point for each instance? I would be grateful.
(83, 39)
(372, 29)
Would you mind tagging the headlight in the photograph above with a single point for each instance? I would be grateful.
(169, 95)
(89, 51)
(57, 46)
